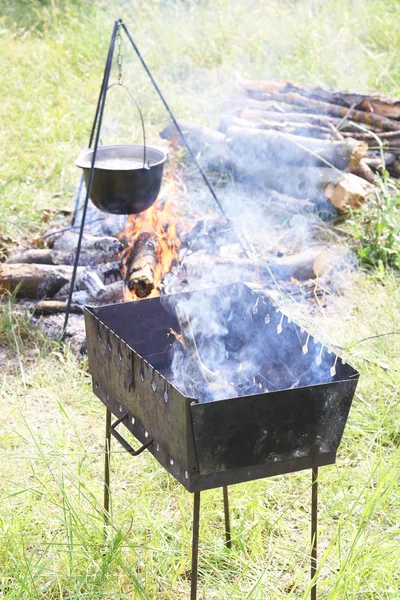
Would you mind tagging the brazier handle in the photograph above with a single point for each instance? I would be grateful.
(123, 442)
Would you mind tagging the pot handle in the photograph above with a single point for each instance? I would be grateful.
(141, 118)
(123, 442)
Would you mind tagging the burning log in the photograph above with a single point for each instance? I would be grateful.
(376, 103)
(257, 146)
(140, 264)
(34, 281)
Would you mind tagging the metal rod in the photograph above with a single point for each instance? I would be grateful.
(314, 516)
(178, 128)
(106, 502)
(90, 139)
(228, 538)
(195, 545)
(91, 172)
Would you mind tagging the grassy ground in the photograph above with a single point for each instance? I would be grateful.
(51, 431)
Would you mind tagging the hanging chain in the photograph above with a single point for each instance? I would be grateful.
(119, 55)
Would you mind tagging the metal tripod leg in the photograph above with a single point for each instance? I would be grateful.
(228, 538)
(195, 545)
(314, 515)
(106, 501)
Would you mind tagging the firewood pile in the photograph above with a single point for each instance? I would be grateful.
(304, 150)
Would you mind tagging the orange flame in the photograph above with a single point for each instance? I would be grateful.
(159, 220)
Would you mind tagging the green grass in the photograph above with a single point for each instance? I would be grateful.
(51, 430)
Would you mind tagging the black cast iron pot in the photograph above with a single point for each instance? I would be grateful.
(126, 178)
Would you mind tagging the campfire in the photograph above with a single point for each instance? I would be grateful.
(292, 153)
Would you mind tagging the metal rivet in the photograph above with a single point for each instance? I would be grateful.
(158, 447)
(166, 397)
(109, 345)
(133, 420)
(153, 385)
(146, 434)
(186, 475)
(171, 461)
(120, 408)
(108, 396)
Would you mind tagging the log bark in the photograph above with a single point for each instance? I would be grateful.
(34, 281)
(257, 146)
(365, 171)
(207, 144)
(317, 184)
(48, 256)
(141, 264)
(67, 240)
(376, 103)
(365, 118)
(52, 307)
(325, 121)
(304, 128)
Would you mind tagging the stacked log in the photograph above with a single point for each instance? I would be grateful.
(317, 112)
(298, 167)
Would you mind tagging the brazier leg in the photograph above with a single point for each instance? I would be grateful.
(106, 501)
(314, 515)
(228, 538)
(195, 545)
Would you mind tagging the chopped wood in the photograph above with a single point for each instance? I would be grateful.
(92, 282)
(51, 307)
(366, 118)
(376, 103)
(315, 183)
(365, 171)
(208, 144)
(256, 146)
(48, 256)
(34, 281)
(303, 128)
(301, 266)
(67, 240)
(140, 264)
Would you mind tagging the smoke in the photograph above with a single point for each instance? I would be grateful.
(240, 344)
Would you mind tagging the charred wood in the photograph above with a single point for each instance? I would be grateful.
(51, 307)
(47, 256)
(34, 281)
(67, 240)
